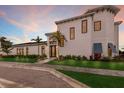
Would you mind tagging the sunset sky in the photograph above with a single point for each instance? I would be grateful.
(22, 23)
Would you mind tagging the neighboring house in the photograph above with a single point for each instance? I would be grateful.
(92, 34)
(30, 48)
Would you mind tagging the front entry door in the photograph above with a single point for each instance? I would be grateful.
(53, 51)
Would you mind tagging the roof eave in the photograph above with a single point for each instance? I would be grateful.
(74, 18)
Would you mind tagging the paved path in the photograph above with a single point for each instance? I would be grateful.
(87, 70)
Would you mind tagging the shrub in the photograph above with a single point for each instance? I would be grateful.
(67, 57)
(84, 58)
(43, 56)
(91, 58)
(61, 57)
(78, 57)
(73, 57)
(105, 59)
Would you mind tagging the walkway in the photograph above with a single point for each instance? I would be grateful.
(86, 70)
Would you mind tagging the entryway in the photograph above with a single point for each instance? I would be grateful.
(53, 51)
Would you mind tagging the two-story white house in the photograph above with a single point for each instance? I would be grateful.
(94, 33)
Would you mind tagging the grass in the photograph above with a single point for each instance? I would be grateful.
(90, 64)
(17, 59)
(96, 81)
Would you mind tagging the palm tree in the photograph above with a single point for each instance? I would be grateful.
(38, 40)
(57, 35)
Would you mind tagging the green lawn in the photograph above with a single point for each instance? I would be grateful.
(97, 81)
(22, 60)
(90, 64)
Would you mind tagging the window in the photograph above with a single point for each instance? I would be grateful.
(26, 50)
(42, 50)
(22, 51)
(72, 33)
(97, 26)
(17, 51)
(84, 26)
(62, 41)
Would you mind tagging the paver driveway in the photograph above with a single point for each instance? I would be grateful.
(32, 78)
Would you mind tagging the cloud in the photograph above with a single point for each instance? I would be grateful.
(31, 27)
(32, 18)
(2, 13)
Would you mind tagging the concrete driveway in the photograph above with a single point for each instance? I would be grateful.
(19, 77)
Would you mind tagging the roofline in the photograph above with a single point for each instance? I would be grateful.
(91, 12)
(30, 44)
(48, 34)
(111, 8)
(74, 18)
(118, 22)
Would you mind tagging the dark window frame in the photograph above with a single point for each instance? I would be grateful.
(100, 26)
(82, 26)
(62, 41)
(71, 33)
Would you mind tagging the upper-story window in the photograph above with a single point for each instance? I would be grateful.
(97, 25)
(84, 26)
(72, 33)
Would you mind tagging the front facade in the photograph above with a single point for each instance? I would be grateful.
(92, 34)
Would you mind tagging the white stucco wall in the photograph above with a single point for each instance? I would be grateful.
(106, 35)
(32, 50)
(82, 45)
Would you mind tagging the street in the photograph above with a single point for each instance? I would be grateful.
(30, 78)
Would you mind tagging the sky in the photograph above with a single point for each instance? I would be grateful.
(21, 23)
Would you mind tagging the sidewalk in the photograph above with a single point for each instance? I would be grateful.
(87, 70)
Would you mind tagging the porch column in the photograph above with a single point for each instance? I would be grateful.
(48, 48)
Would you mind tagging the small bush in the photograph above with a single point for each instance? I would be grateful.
(91, 58)
(43, 56)
(61, 57)
(84, 58)
(67, 57)
(73, 57)
(78, 57)
(105, 59)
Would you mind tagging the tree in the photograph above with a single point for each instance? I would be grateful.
(6, 46)
(38, 40)
(57, 35)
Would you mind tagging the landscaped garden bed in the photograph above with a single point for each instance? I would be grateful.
(99, 64)
(20, 58)
(96, 81)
